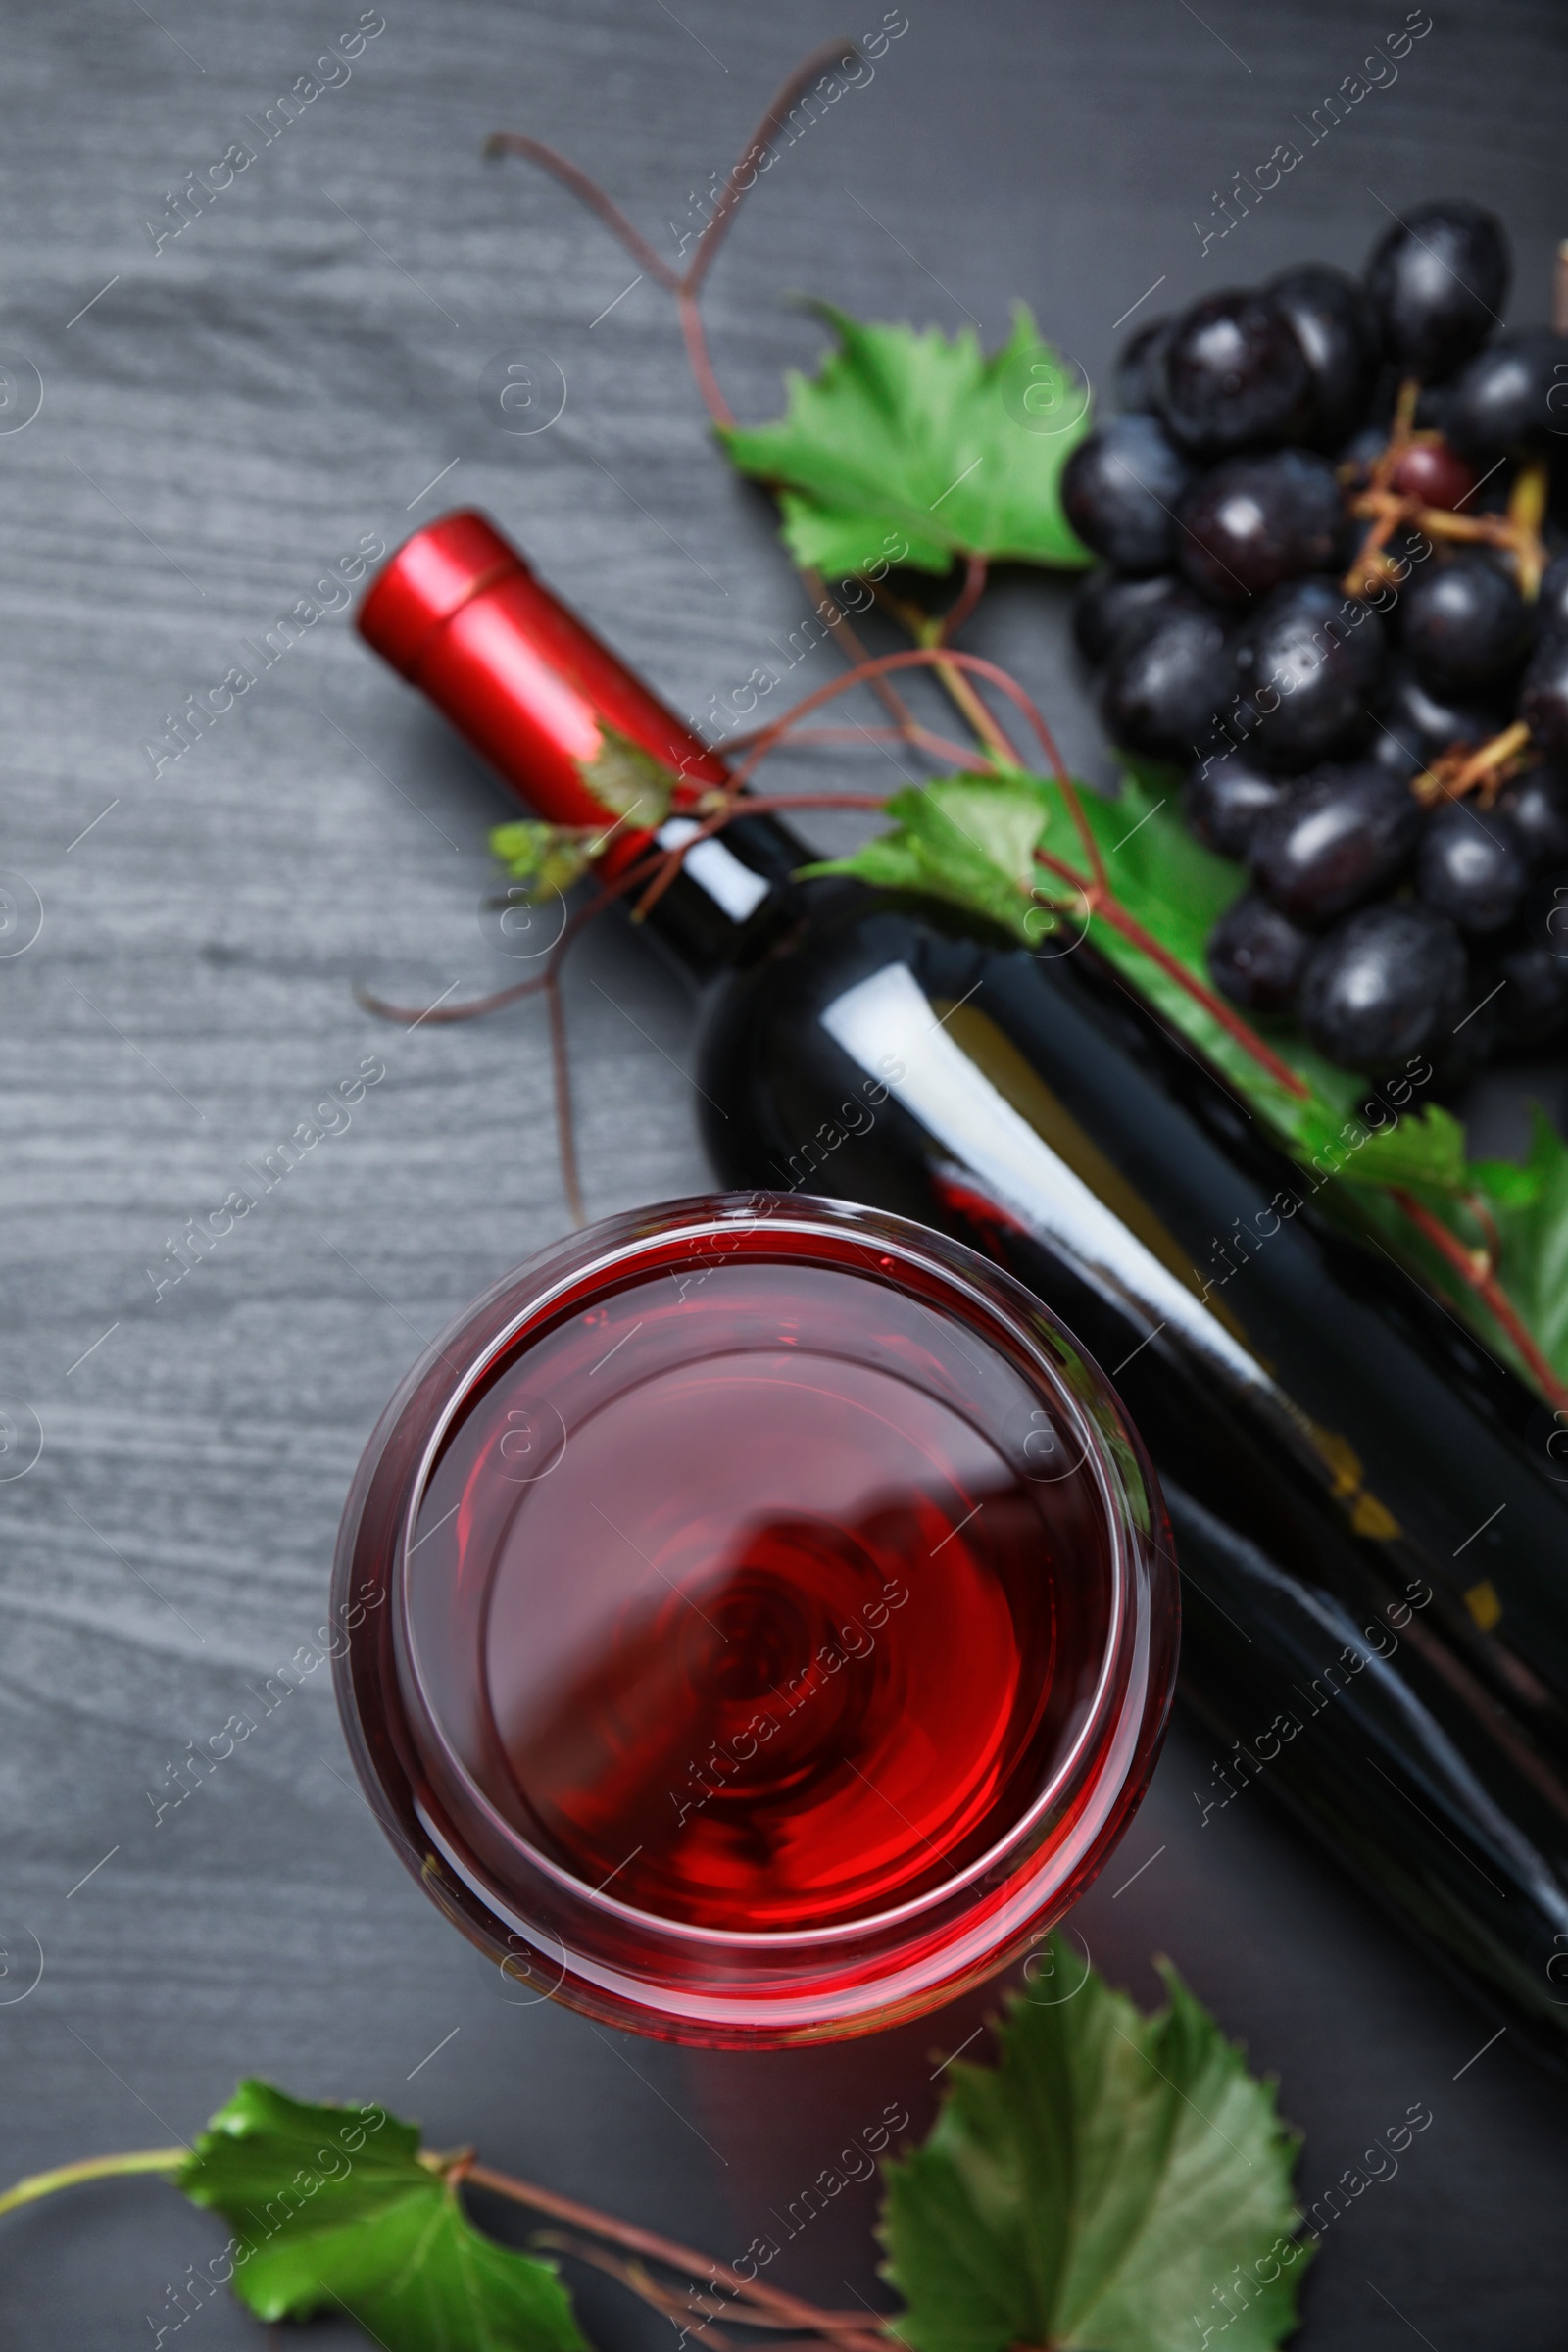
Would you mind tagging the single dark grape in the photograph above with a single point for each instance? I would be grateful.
(1551, 605)
(1386, 984)
(1410, 549)
(1164, 683)
(1464, 623)
(1344, 836)
(1532, 1003)
(1332, 321)
(1431, 403)
(1473, 866)
(1251, 522)
(1225, 801)
(1537, 803)
(1437, 281)
(1258, 955)
(1307, 660)
(1139, 377)
(1406, 702)
(1513, 396)
(1543, 698)
(1121, 488)
(1363, 449)
(1110, 602)
(1236, 375)
(1396, 748)
(1436, 474)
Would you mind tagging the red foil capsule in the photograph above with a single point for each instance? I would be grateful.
(460, 614)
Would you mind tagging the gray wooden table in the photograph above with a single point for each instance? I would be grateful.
(228, 413)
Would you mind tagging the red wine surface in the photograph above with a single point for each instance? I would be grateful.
(759, 1596)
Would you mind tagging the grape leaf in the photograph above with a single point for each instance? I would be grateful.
(1117, 2181)
(969, 840)
(631, 781)
(911, 449)
(1529, 1207)
(546, 858)
(335, 2209)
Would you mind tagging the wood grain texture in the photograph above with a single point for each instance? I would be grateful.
(231, 414)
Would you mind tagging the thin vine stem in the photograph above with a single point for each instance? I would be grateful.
(685, 285)
(928, 657)
(91, 2168)
(676, 2257)
(941, 747)
(694, 337)
(848, 641)
(634, 2276)
(978, 573)
(1133, 931)
(565, 1115)
(587, 191)
(960, 692)
(916, 657)
(686, 289)
(1483, 1282)
(793, 86)
(411, 1017)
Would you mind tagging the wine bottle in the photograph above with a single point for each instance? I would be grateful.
(1371, 1513)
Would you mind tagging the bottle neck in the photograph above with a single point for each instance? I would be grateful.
(540, 697)
(726, 888)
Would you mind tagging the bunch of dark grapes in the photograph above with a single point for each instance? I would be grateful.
(1328, 519)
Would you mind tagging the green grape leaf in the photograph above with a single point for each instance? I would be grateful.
(335, 2209)
(627, 780)
(547, 858)
(911, 449)
(1528, 1204)
(1115, 2183)
(1425, 1149)
(969, 840)
(1509, 1182)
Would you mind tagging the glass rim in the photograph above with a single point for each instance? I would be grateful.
(671, 1978)
(601, 1272)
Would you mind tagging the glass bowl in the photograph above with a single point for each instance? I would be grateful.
(758, 1621)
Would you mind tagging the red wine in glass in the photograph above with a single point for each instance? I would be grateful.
(768, 1624)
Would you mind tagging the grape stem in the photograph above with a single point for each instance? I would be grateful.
(847, 2329)
(1486, 766)
(849, 644)
(166, 2161)
(686, 288)
(976, 573)
(685, 285)
(1100, 901)
(1517, 533)
(934, 631)
(1477, 1276)
(1379, 502)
